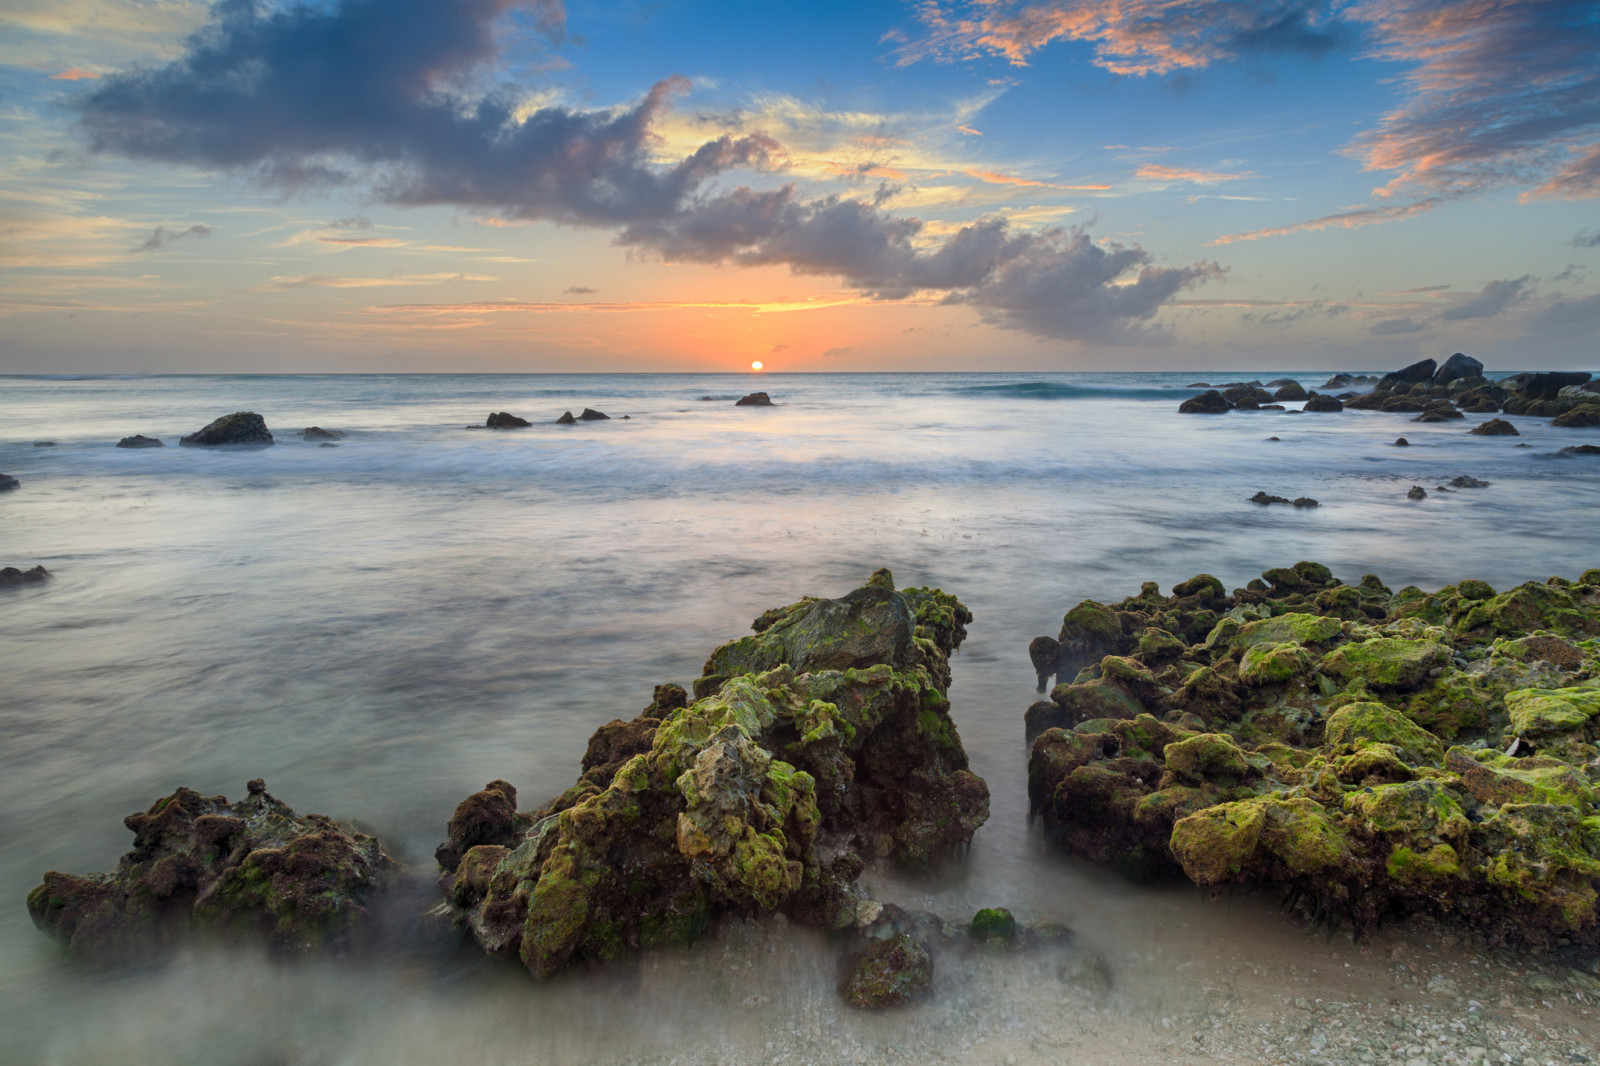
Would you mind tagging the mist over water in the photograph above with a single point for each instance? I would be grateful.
(378, 629)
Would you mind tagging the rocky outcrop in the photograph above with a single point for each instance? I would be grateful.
(251, 869)
(139, 440)
(1319, 403)
(817, 744)
(1495, 427)
(1290, 391)
(11, 577)
(1456, 367)
(7, 483)
(505, 420)
(591, 415)
(244, 429)
(1267, 497)
(1366, 751)
(318, 434)
(1584, 416)
(1546, 386)
(566, 419)
(1414, 374)
(1209, 402)
(755, 399)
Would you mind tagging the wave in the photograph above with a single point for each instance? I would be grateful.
(1055, 390)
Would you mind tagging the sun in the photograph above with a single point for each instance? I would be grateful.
(756, 365)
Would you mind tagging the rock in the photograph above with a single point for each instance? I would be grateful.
(1467, 482)
(1401, 442)
(1291, 391)
(1417, 492)
(1580, 449)
(891, 973)
(505, 420)
(327, 444)
(1304, 501)
(1207, 403)
(7, 482)
(591, 415)
(317, 433)
(251, 869)
(755, 399)
(1495, 427)
(1264, 498)
(1318, 402)
(1456, 367)
(993, 927)
(10, 576)
(566, 419)
(708, 398)
(817, 744)
(1411, 375)
(44, 444)
(1273, 438)
(1198, 385)
(1548, 386)
(1584, 416)
(139, 440)
(240, 429)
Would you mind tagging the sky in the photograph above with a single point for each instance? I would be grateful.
(693, 185)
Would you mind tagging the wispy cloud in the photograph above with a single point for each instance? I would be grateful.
(332, 281)
(365, 242)
(1352, 219)
(1162, 172)
(579, 290)
(1586, 238)
(1496, 297)
(75, 74)
(164, 236)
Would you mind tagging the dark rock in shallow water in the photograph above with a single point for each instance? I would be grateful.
(892, 972)
(317, 433)
(1466, 481)
(1402, 442)
(1417, 492)
(1319, 403)
(505, 420)
(1207, 403)
(1548, 386)
(240, 429)
(1304, 501)
(139, 440)
(1584, 416)
(755, 399)
(44, 444)
(817, 744)
(1290, 391)
(1198, 385)
(566, 419)
(251, 868)
(1456, 367)
(1495, 427)
(703, 398)
(1580, 449)
(591, 415)
(10, 576)
(7, 482)
(327, 444)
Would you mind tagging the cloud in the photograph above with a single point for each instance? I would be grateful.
(1586, 238)
(776, 348)
(329, 281)
(75, 74)
(1392, 326)
(1352, 219)
(1160, 172)
(351, 222)
(991, 178)
(1130, 36)
(1496, 297)
(838, 353)
(164, 236)
(1578, 179)
(364, 242)
(579, 290)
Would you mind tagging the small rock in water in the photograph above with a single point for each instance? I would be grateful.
(892, 972)
(139, 440)
(505, 420)
(327, 444)
(10, 576)
(1495, 427)
(318, 433)
(44, 444)
(1266, 497)
(1272, 438)
(591, 415)
(704, 398)
(1576, 449)
(8, 482)
(1401, 442)
(755, 399)
(566, 419)
(1468, 482)
(1417, 493)
(240, 429)
(1305, 501)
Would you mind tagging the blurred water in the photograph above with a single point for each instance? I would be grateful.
(379, 628)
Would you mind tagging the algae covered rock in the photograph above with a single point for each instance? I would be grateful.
(892, 972)
(1369, 752)
(240, 429)
(817, 745)
(251, 868)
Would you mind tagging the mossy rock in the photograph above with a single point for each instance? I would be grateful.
(1203, 585)
(1094, 699)
(1357, 725)
(1295, 627)
(1410, 865)
(1207, 757)
(893, 972)
(1386, 663)
(1542, 712)
(1273, 664)
(1526, 608)
(1093, 623)
(993, 927)
(1416, 810)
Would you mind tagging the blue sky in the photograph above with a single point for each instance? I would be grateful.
(1065, 184)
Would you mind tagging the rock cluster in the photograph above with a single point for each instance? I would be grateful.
(7, 482)
(1370, 752)
(1254, 396)
(818, 743)
(240, 429)
(10, 576)
(1458, 388)
(139, 440)
(505, 420)
(1299, 501)
(252, 868)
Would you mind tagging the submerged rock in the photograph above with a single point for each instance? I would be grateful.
(240, 429)
(591, 415)
(566, 419)
(891, 972)
(139, 440)
(1401, 442)
(1210, 402)
(505, 420)
(814, 746)
(1370, 752)
(1495, 427)
(755, 399)
(1417, 492)
(1580, 449)
(252, 868)
(10, 576)
(7, 482)
(1320, 403)
(317, 433)
(44, 444)
(1467, 481)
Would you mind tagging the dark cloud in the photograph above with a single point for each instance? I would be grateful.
(1495, 298)
(579, 290)
(164, 236)
(352, 222)
(1391, 326)
(838, 353)
(1586, 238)
(386, 98)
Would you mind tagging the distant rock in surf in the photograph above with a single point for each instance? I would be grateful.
(1456, 367)
(1580, 449)
(240, 429)
(1417, 492)
(1210, 402)
(1401, 442)
(705, 398)
(1291, 391)
(139, 440)
(755, 399)
(7, 482)
(591, 415)
(318, 433)
(1495, 427)
(505, 420)
(44, 444)
(1467, 481)
(566, 419)
(10, 576)
(1317, 402)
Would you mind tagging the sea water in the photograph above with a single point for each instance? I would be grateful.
(378, 629)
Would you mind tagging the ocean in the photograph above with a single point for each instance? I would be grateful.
(380, 628)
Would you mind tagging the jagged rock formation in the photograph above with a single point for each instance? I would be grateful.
(242, 428)
(1372, 752)
(505, 420)
(819, 743)
(252, 868)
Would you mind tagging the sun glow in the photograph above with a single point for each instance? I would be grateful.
(756, 365)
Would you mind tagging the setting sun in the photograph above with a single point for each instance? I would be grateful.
(756, 365)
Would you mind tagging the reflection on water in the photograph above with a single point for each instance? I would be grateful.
(379, 629)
